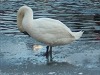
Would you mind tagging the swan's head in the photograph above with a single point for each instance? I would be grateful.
(20, 15)
(24, 9)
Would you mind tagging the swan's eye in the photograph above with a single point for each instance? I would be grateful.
(21, 14)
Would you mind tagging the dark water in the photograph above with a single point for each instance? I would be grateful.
(81, 57)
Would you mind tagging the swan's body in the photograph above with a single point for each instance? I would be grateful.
(48, 31)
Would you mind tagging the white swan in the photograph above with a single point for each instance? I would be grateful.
(46, 30)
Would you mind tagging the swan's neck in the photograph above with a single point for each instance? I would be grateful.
(24, 17)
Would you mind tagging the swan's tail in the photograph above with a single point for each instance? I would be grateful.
(77, 35)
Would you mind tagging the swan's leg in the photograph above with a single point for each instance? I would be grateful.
(50, 53)
(47, 52)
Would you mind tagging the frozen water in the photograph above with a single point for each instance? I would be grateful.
(81, 57)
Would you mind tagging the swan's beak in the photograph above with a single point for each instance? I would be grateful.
(25, 33)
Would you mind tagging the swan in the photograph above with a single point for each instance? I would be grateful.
(49, 31)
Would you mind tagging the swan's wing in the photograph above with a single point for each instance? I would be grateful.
(52, 27)
(51, 23)
(50, 31)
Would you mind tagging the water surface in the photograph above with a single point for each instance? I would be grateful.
(80, 57)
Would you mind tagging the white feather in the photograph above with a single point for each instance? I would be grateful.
(49, 31)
